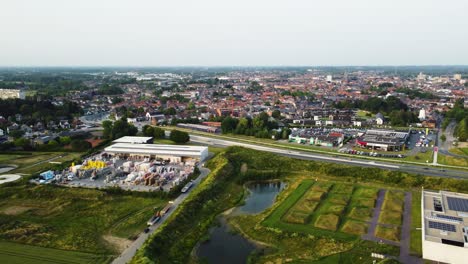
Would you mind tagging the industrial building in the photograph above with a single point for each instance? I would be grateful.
(134, 140)
(12, 94)
(202, 128)
(173, 153)
(387, 140)
(444, 226)
(317, 137)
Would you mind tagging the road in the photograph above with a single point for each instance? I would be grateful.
(426, 170)
(128, 253)
(445, 146)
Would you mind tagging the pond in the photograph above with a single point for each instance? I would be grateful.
(261, 196)
(226, 247)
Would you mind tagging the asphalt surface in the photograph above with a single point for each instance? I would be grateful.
(128, 254)
(445, 146)
(404, 167)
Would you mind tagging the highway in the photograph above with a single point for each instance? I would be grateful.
(128, 253)
(426, 170)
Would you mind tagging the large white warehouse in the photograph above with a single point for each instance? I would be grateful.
(174, 153)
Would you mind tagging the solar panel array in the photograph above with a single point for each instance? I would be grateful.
(457, 204)
(442, 226)
(459, 219)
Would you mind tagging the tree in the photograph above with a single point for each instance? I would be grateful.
(80, 145)
(52, 145)
(170, 111)
(229, 124)
(179, 136)
(16, 134)
(107, 125)
(276, 114)
(64, 140)
(190, 106)
(159, 133)
(148, 131)
(443, 138)
(23, 143)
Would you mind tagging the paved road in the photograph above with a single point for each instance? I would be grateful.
(375, 217)
(128, 254)
(445, 146)
(426, 170)
(405, 256)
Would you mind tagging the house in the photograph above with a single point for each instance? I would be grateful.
(379, 119)
(2, 133)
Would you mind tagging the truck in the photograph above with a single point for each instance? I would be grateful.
(153, 220)
(187, 187)
(166, 209)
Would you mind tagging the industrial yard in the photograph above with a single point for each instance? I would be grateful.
(131, 164)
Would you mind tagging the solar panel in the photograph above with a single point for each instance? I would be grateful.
(459, 219)
(442, 226)
(457, 204)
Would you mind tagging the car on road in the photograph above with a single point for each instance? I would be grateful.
(146, 230)
(187, 187)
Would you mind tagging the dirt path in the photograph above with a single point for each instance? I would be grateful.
(119, 243)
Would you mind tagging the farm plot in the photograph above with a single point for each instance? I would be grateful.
(390, 218)
(328, 206)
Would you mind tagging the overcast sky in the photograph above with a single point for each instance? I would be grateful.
(235, 32)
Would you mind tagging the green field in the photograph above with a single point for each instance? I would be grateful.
(36, 162)
(72, 219)
(325, 206)
(459, 151)
(415, 235)
(14, 253)
(453, 161)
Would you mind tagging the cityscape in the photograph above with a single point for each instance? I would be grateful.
(233, 133)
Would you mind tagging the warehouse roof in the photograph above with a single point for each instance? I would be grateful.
(133, 140)
(156, 149)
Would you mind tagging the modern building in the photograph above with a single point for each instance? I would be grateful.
(203, 128)
(134, 140)
(444, 226)
(313, 137)
(422, 114)
(379, 119)
(12, 94)
(173, 153)
(387, 140)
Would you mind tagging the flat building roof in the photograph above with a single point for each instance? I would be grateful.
(158, 150)
(445, 216)
(133, 140)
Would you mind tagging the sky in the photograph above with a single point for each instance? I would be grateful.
(233, 33)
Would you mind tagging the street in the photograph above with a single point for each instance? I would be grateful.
(128, 254)
(426, 170)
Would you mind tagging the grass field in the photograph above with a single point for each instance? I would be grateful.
(14, 253)
(415, 235)
(35, 162)
(390, 233)
(459, 151)
(325, 206)
(391, 214)
(453, 161)
(70, 218)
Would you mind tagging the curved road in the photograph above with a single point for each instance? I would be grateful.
(426, 170)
